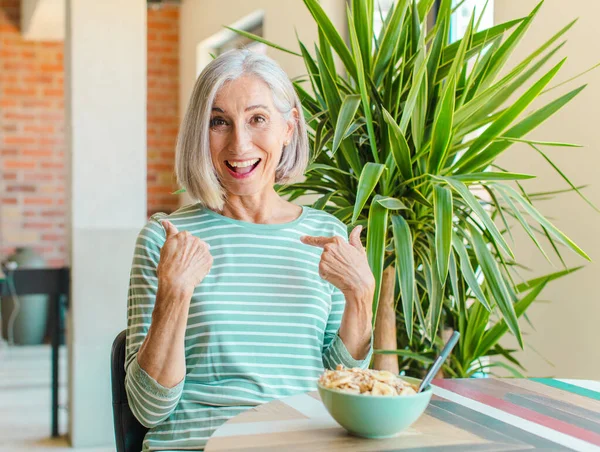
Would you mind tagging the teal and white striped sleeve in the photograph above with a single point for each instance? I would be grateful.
(150, 402)
(334, 349)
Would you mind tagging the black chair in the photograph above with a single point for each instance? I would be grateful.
(129, 433)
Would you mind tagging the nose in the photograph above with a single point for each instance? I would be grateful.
(241, 139)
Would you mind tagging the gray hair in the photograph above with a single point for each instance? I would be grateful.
(194, 168)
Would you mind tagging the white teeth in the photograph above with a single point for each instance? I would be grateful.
(243, 164)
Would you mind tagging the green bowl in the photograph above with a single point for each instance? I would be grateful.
(375, 416)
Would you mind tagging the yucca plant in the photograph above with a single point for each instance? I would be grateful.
(405, 141)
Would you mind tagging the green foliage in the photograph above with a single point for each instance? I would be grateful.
(393, 150)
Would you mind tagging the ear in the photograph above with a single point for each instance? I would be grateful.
(292, 123)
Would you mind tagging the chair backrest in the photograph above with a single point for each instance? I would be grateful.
(129, 433)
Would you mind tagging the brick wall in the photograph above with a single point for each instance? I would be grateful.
(163, 106)
(32, 141)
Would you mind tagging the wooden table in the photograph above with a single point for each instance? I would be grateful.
(464, 415)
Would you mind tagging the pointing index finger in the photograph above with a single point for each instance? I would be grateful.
(312, 240)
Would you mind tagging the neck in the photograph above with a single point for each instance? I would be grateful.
(260, 208)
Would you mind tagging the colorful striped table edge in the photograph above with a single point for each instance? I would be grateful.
(464, 415)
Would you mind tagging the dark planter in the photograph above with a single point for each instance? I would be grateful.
(24, 318)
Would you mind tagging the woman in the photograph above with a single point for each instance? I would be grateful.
(243, 297)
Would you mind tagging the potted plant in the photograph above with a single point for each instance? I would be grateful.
(405, 141)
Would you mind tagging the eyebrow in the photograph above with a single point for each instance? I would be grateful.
(251, 107)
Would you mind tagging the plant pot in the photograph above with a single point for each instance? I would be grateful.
(24, 318)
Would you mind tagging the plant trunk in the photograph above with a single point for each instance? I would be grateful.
(385, 323)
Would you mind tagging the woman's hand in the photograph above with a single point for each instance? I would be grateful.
(184, 259)
(344, 265)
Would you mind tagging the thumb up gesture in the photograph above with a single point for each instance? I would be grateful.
(184, 259)
(344, 265)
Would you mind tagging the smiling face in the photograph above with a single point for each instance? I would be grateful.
(247, 135)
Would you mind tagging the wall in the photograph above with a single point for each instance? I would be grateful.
(32, 145)
(32, 136)
(163, 106)
(566, 331)
(105, 69)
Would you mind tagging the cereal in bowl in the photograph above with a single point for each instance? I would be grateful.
(366, 382)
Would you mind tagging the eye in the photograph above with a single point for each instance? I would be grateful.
(217, 122)
(259, 119)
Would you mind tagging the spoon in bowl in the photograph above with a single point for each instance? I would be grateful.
(437, 364)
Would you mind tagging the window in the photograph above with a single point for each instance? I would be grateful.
(226, 40)
(460, 18)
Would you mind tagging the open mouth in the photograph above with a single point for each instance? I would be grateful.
(242, 169)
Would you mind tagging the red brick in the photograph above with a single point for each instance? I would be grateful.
(38, 177)
(38, 201)
(40, 129)
(38, 225)
(52, 165)
(21, 188)
(37, 153)
(15, 116)
(51, 68)
(52, 237)
(17, 164)
(53, 213)
(54, 92)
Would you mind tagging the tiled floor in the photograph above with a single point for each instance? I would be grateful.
(25, 401)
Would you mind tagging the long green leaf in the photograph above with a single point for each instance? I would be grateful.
(496, 95)
(494, 279)
(480, 38)
(527, 285)
(400, 149)
(369, 177)
(443, 212)
(322, 201)
(362, 83)
(524, 224)
(441, 38)
(392, 203)
(347, 112)
(503, 53)
(467, 271)
(436, 294)
(478, 321)
(565, 178)
(537, 216)
(500, 124)
(332, 35)
(376, 238)
(494, 334)
(326, 168)
(390, 41)
(411, 101)
(519, 130)
(405, 268)
(262, 40)
(406, 354)
(442, 129)
(491, 176)
(363, 21)
(474, 204)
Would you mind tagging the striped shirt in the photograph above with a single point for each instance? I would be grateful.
(262, 324)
